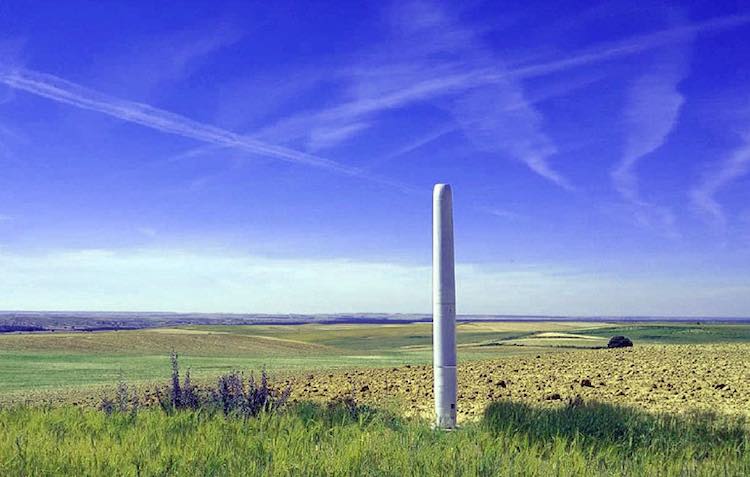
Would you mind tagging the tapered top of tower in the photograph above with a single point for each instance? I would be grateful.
(442, 191)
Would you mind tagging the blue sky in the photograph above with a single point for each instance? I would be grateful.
(279, 157)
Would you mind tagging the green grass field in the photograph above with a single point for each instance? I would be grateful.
(512, 439)
(76, 360)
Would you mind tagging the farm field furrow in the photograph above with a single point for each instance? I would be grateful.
(660, 378)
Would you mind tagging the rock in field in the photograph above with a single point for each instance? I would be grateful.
(619, 342)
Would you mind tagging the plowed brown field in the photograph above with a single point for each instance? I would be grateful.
(674, 378)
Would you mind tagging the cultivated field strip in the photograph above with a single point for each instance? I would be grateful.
(661, 378)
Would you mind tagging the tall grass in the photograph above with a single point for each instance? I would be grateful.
(307, 439)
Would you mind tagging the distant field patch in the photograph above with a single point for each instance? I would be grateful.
(552, 335)
(140, 342)
(181, 331)
(530, 326)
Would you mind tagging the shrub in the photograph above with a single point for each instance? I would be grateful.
(124, 400)
(233, 395)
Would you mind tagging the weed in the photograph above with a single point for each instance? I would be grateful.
(232, 395)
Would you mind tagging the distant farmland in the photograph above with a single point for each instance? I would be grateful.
(74, 360)
(535, 360)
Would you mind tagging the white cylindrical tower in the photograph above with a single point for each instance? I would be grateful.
(443, 307)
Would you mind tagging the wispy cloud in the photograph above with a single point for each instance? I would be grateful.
(66, 92)
(434, 56)
(57, 89)
(412, 146)
(409, 72)
(324, 137)
(399, 94)
(8, 138)
(496, 117)
(434, 135)
(11, 134)
(736, 165)
(651, 114)
(149, 232)
(5, 218)
(500, 213)
(467, 70)
(491, 126)
(184, 49)
(454, 79)
(144, 65)
(10, 53)
(630, 46)
(652, 109)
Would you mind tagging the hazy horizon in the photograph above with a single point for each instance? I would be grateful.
(354, 316)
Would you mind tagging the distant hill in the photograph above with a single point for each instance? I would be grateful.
(40, 321)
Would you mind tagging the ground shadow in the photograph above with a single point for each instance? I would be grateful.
(624, 428)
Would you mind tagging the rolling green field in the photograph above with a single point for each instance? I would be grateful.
(75, 360)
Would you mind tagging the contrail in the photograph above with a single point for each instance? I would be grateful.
(601, 52)
(631, 46)
(62, 91)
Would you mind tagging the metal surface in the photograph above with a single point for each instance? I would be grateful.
(443, 308)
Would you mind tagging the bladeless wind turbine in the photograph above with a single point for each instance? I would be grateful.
(443, 308)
